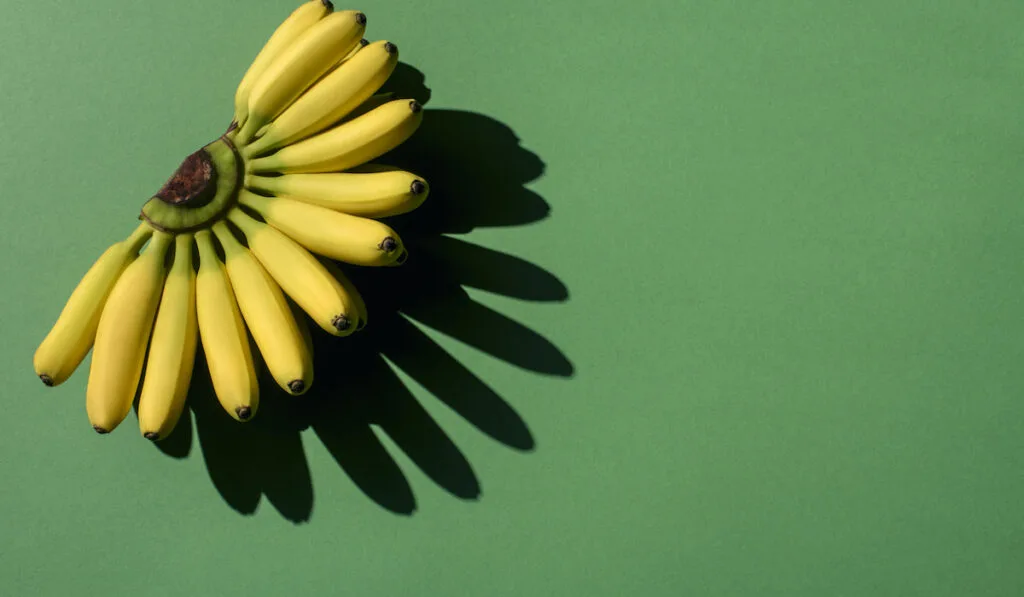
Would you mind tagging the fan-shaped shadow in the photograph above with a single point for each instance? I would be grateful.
(477, 171)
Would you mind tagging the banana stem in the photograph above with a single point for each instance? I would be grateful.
(139, 237)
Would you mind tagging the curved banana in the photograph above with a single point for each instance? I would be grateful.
(297, 23)
(268, 316)
(352, 143)
(299, 66)
(301, 276)
(355, 240)
(341, 91)
(222, 331)
(358, 304)
(72, 335)
(122, 336)
(172, 350)
(362, 44)
(370, 195)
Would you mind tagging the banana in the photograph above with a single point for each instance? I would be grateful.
(172, 350)
(362, 44)
(352, 143)
(122, 336)
(297, 23)
(301, 276)
(355, 240)
(373, 103)
(299, 66)
(72, 335)
(370, 195)
(223, 334)
(341, 91)
(358, 304)
(268, 316)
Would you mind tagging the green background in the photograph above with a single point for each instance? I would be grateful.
(729, 303)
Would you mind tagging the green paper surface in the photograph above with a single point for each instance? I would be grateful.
(709, 298)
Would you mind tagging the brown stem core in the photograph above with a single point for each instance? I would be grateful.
(194, 183)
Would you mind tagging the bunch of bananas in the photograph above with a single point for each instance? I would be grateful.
(239, 242)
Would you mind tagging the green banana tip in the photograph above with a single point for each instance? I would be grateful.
(47, 380)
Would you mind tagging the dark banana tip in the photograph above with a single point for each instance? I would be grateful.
(388, 245)
(390, 48)
(415, 106)
(100, 430)
(47, 380)
(402, 258)
(360, 18)
(243, 412)
(296, 386)
(364, 42)
(328, 5)
(341, 323)
(151, 436)
(418, 187)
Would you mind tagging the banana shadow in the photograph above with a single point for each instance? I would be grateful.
(477, 171)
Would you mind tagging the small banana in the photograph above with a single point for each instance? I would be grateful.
(172, 351)
(301, 276)
(122, 336)
(297, 23)
(354, 240)
(268, 316)
(73, 334)
(341, 91)
(370, 195)
(223, 334)
(299, 66)
(349, 144)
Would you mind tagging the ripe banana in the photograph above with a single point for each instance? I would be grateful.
(355, 240)
(223, 335)
(172, 350)
(334, 96)
(358, 304)
(297, 23)
(349, 144)
(370, 195)
(268, 316)
(74, 332)
(300, 65)
(301, 276)
(122, 337)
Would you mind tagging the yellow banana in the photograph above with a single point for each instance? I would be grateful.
(334, 96)
(301, 276)
(74, 332)
(172, 351)
(297, 23)
(349, 144)
(223, 334)
(370, 195)
(358, 304)
(362, 44)
(122, 337)
(268, 316)
(355, 240)
(299, 66)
